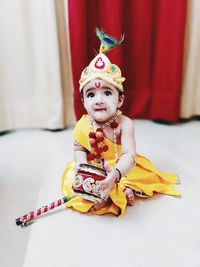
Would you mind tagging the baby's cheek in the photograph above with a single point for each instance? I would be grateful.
(87, 105)
(113, 105)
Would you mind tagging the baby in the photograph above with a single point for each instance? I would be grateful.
(102, 102)
(104, 134)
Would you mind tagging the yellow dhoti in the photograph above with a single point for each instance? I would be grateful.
(144, 178)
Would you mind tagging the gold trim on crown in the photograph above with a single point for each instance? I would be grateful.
(101, 68)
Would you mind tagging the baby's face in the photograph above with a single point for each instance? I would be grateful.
(101, 100)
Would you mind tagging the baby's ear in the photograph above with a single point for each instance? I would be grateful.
(82, 100)
(121, 101)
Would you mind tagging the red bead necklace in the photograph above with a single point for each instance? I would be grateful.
(96, 138)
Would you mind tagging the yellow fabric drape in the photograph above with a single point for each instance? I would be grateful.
(143, 177)
(190, 102)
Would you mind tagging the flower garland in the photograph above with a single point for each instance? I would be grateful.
(96, 138)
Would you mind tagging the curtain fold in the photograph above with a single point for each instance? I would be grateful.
(38, 38)
(35, 74)
(190, 102)
(168, 60)
(150, 58)
(65, 62)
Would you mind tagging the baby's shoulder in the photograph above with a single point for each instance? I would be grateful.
(124, 120)
(126, 124)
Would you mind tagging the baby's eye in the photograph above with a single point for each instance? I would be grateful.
(107, 93)
(90, 94)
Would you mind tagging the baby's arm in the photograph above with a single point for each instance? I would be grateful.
(80, 154)
(126, 161)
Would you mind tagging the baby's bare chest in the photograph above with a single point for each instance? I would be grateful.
(112, 134)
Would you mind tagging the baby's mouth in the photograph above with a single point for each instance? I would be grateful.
(100, 109)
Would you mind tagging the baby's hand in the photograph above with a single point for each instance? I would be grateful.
(107, 184)
(77, 165)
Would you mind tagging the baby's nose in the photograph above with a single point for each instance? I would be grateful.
(99, 99)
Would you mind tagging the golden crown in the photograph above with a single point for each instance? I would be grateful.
(101, 67)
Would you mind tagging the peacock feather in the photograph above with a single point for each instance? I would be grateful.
(108, 42)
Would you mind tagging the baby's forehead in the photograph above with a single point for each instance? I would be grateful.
(98, 84)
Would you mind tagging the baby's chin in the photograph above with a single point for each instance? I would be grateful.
(101, 117)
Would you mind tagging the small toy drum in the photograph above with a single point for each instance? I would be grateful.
(85, 182)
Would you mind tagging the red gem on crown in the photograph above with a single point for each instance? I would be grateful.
(100, 64)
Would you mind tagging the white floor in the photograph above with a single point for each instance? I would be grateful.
(159, 232)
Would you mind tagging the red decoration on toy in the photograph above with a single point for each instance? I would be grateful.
(85, 181)
(27, 219)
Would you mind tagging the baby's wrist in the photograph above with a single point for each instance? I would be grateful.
(78, 163)
(118, 175)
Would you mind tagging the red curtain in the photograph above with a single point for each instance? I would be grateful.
(151, 57)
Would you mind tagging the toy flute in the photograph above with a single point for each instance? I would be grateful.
(84, 186)
(28, 218)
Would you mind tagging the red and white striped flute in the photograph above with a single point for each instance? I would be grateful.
(29, 217)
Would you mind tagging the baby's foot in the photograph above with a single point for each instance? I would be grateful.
(100, 205)
(129, 196)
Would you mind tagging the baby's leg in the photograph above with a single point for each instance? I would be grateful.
(129, 196)
(100, 205)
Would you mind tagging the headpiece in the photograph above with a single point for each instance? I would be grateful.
(101, 67)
